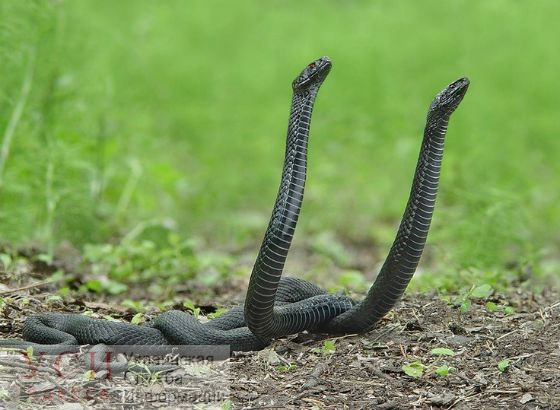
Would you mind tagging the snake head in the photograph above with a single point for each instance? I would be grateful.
(449, 98)
(313, 75)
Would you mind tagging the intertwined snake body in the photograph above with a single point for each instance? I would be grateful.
(264, 318)
(300, 304)
(277, 306)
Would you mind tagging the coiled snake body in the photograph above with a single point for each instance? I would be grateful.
(274, 306)
(300, 304)
(264, 318)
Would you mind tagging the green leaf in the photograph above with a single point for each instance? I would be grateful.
(64, 291)
(6, 260)
(503, 365)
(89, 376)
(57, 276)
(226, 405)
(132, 304)
(94, 285)
(442, 351)
(491, 306)
(219, 312)
(443, 371)
(137, 318)
(286, 368)
(44, 257)
(465, 306)
(54, 299)
(189, 304)
(509, 310)
(482, 291)
(414, 369)
(29, 352)
(328, 347)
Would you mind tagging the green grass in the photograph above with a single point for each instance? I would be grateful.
(174, 113)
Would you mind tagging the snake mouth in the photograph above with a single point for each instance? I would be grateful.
(314, 74)
(450, 97)
(458, 89)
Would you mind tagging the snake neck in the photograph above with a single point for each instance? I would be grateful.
(405, 253)
(267, 271)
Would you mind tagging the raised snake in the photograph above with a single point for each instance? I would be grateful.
(300, 304)
(278, 306)
(265, 319)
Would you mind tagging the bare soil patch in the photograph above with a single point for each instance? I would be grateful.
(364, 371)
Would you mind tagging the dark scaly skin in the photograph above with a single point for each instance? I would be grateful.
(57, 333)
(297, 300)
(263, 317)
(404, 256)
(405, 253)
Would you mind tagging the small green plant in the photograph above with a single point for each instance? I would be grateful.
(54, 300)
(6, 260)
(189, 304)
(478, 292)
(491, 306)
(146, 375)
(414, 369)
(4, 394)
(63, 291)
(165, 305)
(226, 405)
(286, 367)
(481, 292)
(443, 370)
(133, 305)
(508, 310)
(140, 261)
(442, 351)
(503, 365)
(327, 348)
(219, 312)
(137, 318)
(89, 376)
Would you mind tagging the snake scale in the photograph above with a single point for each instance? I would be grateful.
(277, 306)
(299, 303)
(265, 319)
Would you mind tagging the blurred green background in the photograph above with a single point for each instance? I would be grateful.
(121, 115)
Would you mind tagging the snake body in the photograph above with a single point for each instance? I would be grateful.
(277, 306)
(264, 318)
(299, 304)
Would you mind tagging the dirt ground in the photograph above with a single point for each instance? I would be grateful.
(366, 371)
(495, 359)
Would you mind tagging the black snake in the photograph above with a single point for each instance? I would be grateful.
(278, 306)
(300, 304)
(266, 320)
